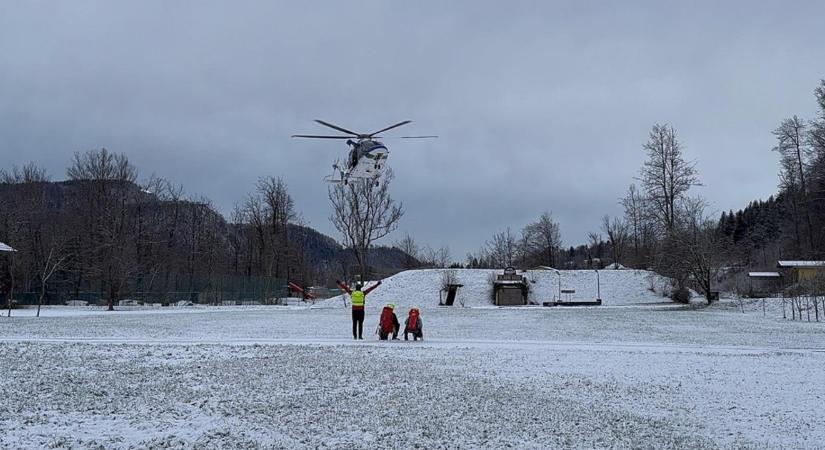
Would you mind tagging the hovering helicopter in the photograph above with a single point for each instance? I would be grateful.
(367, 156)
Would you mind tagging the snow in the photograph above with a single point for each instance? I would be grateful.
(421, 287)
(792, 264)
(77, 303)
(764, 274)
(621, 376)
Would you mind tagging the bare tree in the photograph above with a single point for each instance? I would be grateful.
(256, 217)
(633, 204)
(479, 260)
(279, 211)
(448, 277)
(101, 166)
(502, 248)
(666, 176)
(27, 221)
(790, 183)
(617, 233)
(363, 213)
(107, 182)
(524, 251)
(13, 267)
(29, 173)
(816, 132)
(303, 271)
(53, 262)
(698, 248)
(594, 250)
(411, 249)
(543, 239)
(437, 257)
(792, 139)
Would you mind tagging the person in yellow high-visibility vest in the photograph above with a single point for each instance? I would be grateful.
(358, 300)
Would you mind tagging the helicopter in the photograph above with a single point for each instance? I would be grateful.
(367, 155)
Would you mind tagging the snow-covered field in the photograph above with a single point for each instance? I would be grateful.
(633, 376)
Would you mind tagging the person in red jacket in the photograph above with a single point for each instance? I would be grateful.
(358, 301)
(388, 323)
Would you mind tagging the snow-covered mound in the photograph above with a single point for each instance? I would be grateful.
(421, 287)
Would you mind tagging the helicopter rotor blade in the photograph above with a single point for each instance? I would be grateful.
(336, 127)
(315, 136)
(390, 127)
(405, 137)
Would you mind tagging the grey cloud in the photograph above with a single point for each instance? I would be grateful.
(539, 105)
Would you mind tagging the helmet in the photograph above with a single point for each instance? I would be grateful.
(391, 305)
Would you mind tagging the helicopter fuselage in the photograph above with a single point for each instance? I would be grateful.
(367, 159)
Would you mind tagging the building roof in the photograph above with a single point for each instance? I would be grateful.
(512, 282)
(6, 248)
(764, 274)
(798, 264)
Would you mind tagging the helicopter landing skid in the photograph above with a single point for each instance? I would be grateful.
(345, 180)
(333, 180)
(342, 175)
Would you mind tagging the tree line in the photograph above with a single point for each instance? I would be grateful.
(663, 227)
(791, 224)
(102, 231)
(666, 228)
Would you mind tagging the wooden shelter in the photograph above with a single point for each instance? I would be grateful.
(764, 284)
(451, 290)
(802, 270)
(510, 289)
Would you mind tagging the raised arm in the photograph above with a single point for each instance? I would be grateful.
(344, 287)
(371, 288)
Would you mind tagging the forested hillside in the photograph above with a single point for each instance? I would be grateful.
(101, 234)
(790, 225)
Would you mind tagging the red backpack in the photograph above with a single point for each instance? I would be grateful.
(412, 321)
(386, 320)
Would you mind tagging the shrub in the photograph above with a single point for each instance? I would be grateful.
(680, 295)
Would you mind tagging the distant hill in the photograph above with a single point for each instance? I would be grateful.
(323, 250)
(323, 253)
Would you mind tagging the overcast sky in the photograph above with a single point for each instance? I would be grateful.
(540, 105)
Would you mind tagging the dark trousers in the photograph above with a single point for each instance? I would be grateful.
(358, 324)
(383, 336)
(416, 334)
